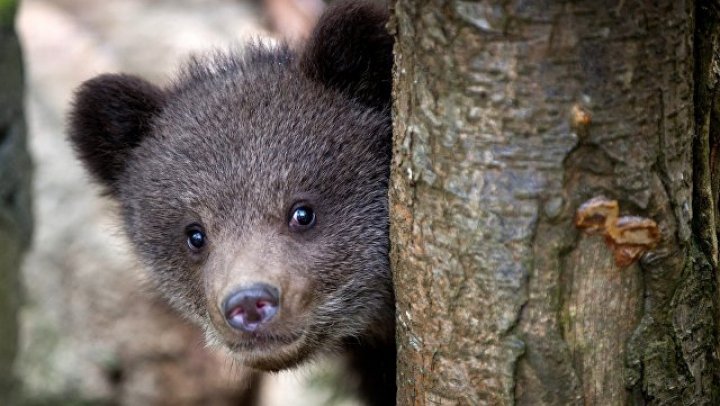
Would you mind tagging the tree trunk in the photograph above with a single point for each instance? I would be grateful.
(15, 217)
(526, 134)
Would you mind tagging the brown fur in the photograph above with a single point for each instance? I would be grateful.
(232, 146)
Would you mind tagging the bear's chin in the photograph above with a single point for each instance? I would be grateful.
(270, 353)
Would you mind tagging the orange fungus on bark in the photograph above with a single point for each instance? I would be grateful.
(629, 237)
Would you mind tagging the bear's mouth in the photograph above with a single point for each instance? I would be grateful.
(270, 352)
(252, 342)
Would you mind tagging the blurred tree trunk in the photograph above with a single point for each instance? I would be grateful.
(15, 217)
(509, 116)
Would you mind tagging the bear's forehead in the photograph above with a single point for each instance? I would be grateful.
(255, 143)
(272, 116)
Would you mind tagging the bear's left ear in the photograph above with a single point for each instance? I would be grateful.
(110, 116)
(351, 50)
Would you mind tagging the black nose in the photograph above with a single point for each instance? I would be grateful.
(247, 308)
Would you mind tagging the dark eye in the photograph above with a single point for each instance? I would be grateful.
(195, 237)
(302, 218)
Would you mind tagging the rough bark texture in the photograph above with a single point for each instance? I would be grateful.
(15, 218)
(508, 117)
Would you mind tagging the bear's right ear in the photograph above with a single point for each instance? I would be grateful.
(110, 116)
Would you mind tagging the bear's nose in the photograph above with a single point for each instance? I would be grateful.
(247, 308)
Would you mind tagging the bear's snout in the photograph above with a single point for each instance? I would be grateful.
(247, 308)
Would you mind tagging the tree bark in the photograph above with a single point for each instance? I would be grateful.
(15, 214)
(510, 118)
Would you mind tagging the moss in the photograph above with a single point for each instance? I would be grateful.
(7, 13)
(9, 303)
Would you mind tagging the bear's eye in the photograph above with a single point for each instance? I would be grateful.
(302, 218)
(195, 237)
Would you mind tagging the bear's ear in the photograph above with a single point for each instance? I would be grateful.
(351, 50)
(110, 115)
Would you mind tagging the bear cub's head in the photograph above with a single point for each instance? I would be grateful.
(254, 187)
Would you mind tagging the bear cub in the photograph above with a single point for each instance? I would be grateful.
(254, 189)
